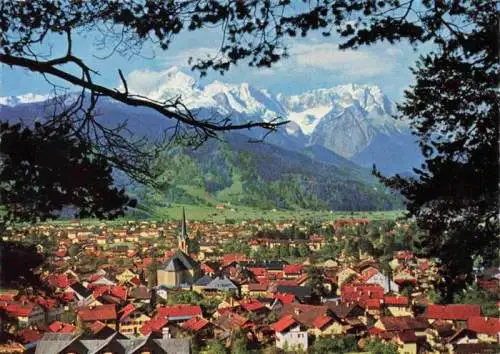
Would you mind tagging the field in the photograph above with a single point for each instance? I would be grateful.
(241, 213)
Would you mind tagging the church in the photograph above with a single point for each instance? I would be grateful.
(180, 270)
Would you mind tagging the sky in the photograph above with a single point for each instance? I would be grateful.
(314, 62)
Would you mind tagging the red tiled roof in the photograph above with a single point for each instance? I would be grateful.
(19, 310)
(252, 306)
(375, 331)
(233, 257)
(368, 273)
(257, 287)
(95, 277)
(231, 321)
(361, 291)
(457, 312)
(59, 281)
(396, 300)
(322, 321)
(372, 304)
(403, 323)
(28, 335)
(285, 298)
(180, 311)
(154, 325)
(120, 292)
(490, 326)
(283, 323)
(258, 271)
(206, 268)
(292, 268)
(135, 280)
(195, 324)
(126, 311)
(100, 291)
(301, 279)
(61, 327)
(98, 313)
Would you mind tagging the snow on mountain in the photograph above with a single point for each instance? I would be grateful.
(345, 119)
(306, 109)
(22, 99)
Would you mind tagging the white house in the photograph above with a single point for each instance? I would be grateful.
(384, 281)
(290, 334)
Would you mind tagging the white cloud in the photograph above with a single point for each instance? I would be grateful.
(181, 59)
(394, 52)
(352, 63)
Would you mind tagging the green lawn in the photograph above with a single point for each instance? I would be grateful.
(240, 213)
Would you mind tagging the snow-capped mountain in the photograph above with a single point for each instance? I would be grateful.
(346, 119)
(22, 99)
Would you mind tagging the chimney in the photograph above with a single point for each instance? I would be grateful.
(165, 331)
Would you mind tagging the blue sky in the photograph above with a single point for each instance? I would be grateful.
(314, 62)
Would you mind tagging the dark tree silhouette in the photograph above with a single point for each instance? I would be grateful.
(44, 169)
(17, 262)
(453, 110)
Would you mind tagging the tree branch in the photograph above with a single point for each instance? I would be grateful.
(174, 110)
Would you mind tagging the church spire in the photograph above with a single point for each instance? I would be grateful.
(183, 237)
(184, 226)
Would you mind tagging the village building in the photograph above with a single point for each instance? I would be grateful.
(180, 270)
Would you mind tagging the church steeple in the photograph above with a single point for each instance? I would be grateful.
(183, 237)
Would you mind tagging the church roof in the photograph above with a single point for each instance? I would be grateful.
(180, 262)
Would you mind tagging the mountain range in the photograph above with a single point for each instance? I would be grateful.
(333, 137)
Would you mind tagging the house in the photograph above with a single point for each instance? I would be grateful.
(131, 319)
(104, 313)
(180, 270)
(292, 270)
(402, 324)
(26, 313)
(407, 342)
(397, 305)
(229, 322)
(380, 279)
(179, 313)
(301, 293)
(61, 327)
(221, 284)
(345, 310)
(453, 312)
(154, 325)
(290, 334)
(344, 275)
(198, 325)
(487, 328)
(326, 325)
(255, 289)
(83, 294)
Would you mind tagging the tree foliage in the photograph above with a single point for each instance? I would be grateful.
(453, 110)
(380, 347)
(326, 345)
(44, 169)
